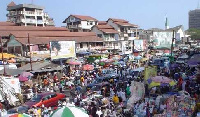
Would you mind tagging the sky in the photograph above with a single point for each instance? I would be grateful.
(145, 13)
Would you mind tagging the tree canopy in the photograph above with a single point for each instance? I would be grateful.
(195, 33)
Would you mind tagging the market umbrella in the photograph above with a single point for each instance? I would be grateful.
(88, 67)
(161, 79)
(73, 62)
(17, 115)
(69, 111)
(24, 76)
(7, 56)
(102, 63)
(138, 57)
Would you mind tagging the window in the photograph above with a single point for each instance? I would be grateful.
(112, 35)
(99, 35)
(91, 23)
(53, 95)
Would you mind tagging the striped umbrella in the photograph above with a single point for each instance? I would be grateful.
(69, 111)
(17, 115)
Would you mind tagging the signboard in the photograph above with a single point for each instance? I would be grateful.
(62, 49)
(163, 39)
(138, 45)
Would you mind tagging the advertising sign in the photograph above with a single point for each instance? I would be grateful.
(62, 49)
(163, 39)
(138, 45)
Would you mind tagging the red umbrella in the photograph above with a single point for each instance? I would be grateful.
(88, 67)
(74, 63)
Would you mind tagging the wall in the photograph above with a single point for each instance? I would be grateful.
(115, 26)
(84, 25)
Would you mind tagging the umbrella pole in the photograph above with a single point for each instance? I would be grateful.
(30, 53)
(4, 69)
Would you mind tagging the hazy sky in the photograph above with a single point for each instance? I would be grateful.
(145, 13)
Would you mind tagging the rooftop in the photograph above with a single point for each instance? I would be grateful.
(11, 7)
(82, 17)
(118, 20)
(11, 4)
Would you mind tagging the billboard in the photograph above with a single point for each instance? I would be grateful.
(62, 49)
(162, 39)
(138, 45)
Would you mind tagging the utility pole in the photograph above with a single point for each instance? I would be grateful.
(172, 42)
(4, 68)
(30, 52)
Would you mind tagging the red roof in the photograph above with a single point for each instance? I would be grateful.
(82, 17)
(24, 34)
(7, 24)
(46, 40)
(104, 27)
(30, 28)
(118, 20)
(109, 31)
(125, 24)
(102, 22)
(11, 4)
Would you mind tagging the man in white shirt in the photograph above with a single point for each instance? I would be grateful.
(99, 112)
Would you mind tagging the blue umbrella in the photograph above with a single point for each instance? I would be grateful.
(138, 57)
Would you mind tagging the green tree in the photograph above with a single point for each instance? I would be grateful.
(195, 33)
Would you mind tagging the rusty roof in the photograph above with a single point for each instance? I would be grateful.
(46, 40)
(51, 34)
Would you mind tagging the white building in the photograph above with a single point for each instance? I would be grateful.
(28, 15)
(79, 23)
(127, 33)
(109, 34)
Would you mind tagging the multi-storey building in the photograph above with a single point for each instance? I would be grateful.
(28, 15)
(109, 34)
(194, 18)
(127, 33)
(79, 23)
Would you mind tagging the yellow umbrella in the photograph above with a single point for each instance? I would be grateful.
(144, 59)
(7, 56)
(172, 83)
(154, 84)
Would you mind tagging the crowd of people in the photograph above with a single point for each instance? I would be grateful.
(110, 97)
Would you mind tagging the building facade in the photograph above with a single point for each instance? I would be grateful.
(28, 15)
(194, 19)
(127, 33)
(109, 34)
(80, 23)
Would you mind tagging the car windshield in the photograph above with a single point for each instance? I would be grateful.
(36, 98)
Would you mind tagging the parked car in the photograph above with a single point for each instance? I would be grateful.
(48, 99)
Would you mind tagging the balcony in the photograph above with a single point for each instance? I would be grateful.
(39, 22)
(123, 34)
(30, 21)
(109, 39)
(74, 26)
